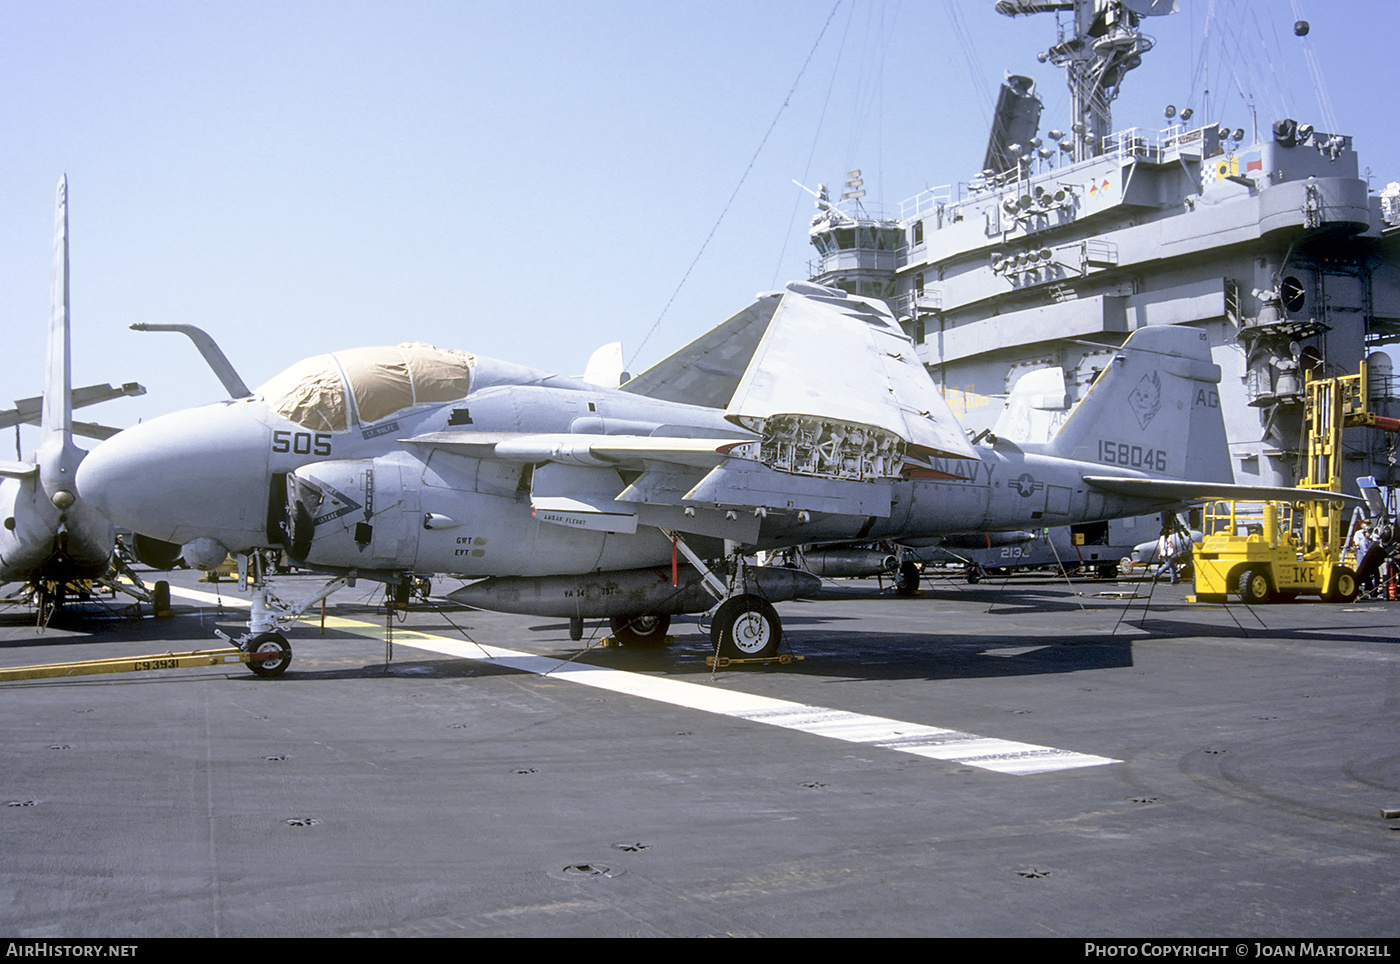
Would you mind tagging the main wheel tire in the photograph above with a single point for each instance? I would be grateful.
(906, 579)
(1254, 587)
(746, 627)
(647, 629)
(269, 643)
(1343, 587)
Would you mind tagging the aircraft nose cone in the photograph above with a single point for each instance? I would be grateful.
(193, 474)
(111, 477)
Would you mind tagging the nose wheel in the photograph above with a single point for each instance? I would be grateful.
(272, 654)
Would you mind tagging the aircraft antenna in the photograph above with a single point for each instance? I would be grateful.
(632, 362)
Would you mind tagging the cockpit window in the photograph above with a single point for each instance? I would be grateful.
(382, 382)
(310, 393)
(388, 380)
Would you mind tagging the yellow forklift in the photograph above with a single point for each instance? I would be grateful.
(1253, 550)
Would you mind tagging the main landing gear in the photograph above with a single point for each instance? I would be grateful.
(746, 627)
(50, 595)
(743, 625)
(906, 578)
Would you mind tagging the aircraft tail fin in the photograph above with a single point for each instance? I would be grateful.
(606, 367)
(1154, 410)
(57, 413)
(1036, 407)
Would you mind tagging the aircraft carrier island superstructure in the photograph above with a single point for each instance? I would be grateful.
(1065, 244)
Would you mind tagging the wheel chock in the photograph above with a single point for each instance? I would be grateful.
(720, 662)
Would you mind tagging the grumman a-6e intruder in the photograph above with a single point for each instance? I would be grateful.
(574, 500)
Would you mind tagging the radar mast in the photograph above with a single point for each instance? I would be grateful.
(1105, 45)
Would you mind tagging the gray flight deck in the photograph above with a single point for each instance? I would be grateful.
(1197, 781)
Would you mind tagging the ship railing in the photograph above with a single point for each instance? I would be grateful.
(1138, 142)
(925, 202)
(848, 259)
(1178, 139)
(1150, 145)
(856, 209)
(1097, 253)
(905, 305)
(1382, 387)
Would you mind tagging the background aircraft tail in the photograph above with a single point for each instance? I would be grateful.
(56, 418)
(82, 539)
(1155, 409)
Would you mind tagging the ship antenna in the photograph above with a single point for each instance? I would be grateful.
(631, 364)
(1106, 45)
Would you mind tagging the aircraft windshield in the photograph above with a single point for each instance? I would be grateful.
(381, 381)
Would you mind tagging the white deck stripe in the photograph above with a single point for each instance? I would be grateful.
(1002, 756)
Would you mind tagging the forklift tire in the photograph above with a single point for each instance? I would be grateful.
(1254, 587)
(1343, 588)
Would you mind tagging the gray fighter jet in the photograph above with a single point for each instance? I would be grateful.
(50, 539)
(568, 499)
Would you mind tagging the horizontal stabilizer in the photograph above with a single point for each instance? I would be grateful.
(26, 410)
(1170, 490)
(18, 470)
(94, 431)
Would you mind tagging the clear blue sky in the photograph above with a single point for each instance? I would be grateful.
(525, 181)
